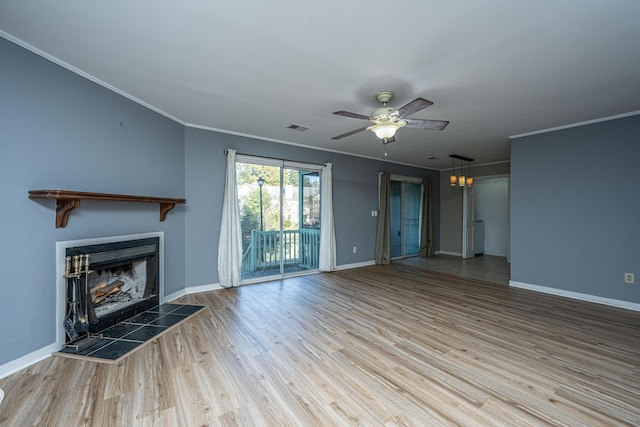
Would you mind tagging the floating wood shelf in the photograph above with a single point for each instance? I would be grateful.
(66, 201)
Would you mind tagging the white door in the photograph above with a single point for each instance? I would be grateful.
(468, 222)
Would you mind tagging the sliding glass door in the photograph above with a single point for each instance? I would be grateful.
(405, 202)
(280, 218)
(308, 220)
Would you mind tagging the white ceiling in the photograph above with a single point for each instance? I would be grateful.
(493, 68)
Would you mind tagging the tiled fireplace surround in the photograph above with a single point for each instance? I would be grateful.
(62, 273)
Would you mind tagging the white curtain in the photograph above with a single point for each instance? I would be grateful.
(327, 256)
(230, 244)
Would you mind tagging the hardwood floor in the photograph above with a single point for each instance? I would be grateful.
(482, 267)
(373, 346)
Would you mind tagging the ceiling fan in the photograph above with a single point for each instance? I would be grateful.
(387, 120)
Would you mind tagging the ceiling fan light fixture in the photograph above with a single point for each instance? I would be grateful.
(385, 130)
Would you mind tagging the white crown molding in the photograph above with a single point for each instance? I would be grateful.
(574, 125)
(295, 144)
(475, 166)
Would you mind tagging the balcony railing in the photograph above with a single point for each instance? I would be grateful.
(295, 247)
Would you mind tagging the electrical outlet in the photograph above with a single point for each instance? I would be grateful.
(355, 249)
(629, 278)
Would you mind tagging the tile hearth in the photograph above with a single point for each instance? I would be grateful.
(119, 340)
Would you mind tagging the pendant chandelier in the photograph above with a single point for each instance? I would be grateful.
(461, 180)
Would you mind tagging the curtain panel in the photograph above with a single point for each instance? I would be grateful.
(230, 243)
(427, 244)
(383, 235)
(327, 255)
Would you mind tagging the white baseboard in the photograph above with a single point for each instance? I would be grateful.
(174, 296)
(216, 286)
(576, 295)
(450, 253)
(498, 254)
(27, 360)
(192, 290)
(203, 288)
(355, 265)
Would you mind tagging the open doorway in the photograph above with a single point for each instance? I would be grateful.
(449, 256)
(492, 216)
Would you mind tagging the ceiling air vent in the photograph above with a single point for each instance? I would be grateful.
(297, 127)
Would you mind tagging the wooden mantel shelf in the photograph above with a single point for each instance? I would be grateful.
(66, 201)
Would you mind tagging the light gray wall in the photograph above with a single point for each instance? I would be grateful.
(451, 205)
(575, 209)
(61, 131)
(355, 195)
(492, 207)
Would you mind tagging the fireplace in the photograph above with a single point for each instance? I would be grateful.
(106, 281)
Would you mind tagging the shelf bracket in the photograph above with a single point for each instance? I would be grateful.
(63, 210)
(164, 208)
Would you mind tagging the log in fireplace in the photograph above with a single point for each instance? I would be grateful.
(106, 283)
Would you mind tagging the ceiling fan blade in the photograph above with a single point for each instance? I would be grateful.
(414, 106)
(426, 124)
(352, 115)
(349, 133)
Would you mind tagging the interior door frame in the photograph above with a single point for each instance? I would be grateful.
(464, 209)
(468, 222)
(414, 180)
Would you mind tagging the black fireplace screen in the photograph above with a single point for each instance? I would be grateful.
(108, 283)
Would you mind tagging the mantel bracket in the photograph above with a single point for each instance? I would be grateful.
(63, 210)
(164, 208)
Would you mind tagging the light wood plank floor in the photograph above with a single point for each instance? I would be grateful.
(373, 346)
(482, 267)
